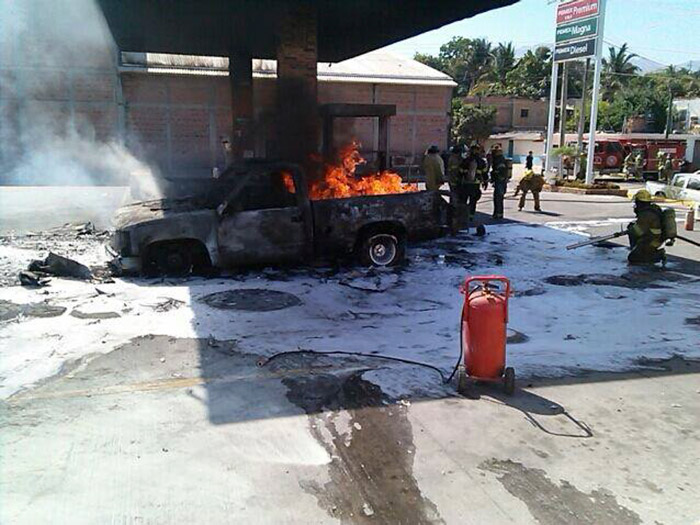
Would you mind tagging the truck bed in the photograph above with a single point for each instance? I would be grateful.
(336, 222)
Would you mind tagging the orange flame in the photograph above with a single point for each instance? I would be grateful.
(339, 180)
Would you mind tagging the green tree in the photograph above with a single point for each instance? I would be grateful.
(683, 82)
(531, 75)
(618, 70)
(451, 60)
(641, 98)
(478, 62)
(465, 60)
(471, 122)
(431, 61)
(503, 62)
(494, 80)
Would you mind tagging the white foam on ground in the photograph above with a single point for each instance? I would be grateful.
(415, 316)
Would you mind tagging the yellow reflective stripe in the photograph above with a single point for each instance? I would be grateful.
(655, 231)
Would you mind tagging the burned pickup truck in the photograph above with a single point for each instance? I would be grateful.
(262, 215)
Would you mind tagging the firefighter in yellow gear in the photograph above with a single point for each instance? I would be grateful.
(666, 171)
(434, 169)
(530, 182)
(630, 166)
(646, 233)
(639, 165)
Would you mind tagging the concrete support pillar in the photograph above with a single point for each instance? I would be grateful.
(383, 144)
(240, 68)
(297, 108)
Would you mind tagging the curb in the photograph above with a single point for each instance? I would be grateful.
(586, 191)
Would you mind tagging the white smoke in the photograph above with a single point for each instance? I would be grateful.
(59, 115)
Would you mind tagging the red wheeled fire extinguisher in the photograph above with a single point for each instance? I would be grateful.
(483, 331)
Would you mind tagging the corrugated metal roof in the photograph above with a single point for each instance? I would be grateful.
(379, 67)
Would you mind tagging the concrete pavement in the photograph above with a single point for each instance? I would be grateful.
(130, 437)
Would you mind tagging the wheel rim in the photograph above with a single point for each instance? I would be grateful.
(175, 263)
(382, 250)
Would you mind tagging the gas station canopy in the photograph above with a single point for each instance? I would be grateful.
(219, 27)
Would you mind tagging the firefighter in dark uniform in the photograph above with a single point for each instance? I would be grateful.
(472, 174)
(453, 162)
(499, 180)
(646, 234)
(459, 194)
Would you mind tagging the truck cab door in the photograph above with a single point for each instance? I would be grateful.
(266, 223)
(677, 186)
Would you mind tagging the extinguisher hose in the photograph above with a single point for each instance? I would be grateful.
(459, 359)
(266, 360)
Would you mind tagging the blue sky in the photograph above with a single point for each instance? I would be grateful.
(666, 31)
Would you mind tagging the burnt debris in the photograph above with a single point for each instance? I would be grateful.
(60, 266)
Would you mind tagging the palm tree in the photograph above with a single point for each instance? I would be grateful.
(531, 75)
(478, 61)
(617, 70)
(503, 61)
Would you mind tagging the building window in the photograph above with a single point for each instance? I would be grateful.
(524, 113)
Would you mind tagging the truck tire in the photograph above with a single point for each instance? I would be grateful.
(176, 258)
(382, 249)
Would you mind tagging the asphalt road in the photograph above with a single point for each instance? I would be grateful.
(592, 211)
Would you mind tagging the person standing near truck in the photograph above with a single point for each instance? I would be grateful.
(666, 170)
(453, 162)
(434, 169)
(472, 173)
(630, 166)
(457, 197)
(499, 180)
(639, 164)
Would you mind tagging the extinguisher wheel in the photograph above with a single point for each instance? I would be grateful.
(509, 380)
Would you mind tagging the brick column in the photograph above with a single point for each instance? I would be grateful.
(240, 69)
(297, 116)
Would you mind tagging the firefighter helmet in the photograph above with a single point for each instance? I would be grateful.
(642, 195)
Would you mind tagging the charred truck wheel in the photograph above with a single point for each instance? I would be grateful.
(382, 247)
(176, 258)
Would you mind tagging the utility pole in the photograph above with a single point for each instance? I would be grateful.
(581, 119)
(552, 114)
(562, 113)
(669, 112)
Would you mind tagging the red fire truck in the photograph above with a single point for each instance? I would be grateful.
(610, 153)
(650, 149)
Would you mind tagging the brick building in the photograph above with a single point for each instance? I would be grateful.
(515, 114)
(178, 107)
(172, 110)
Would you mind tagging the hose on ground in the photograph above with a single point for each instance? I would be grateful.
(461, 355)
(445, 379)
